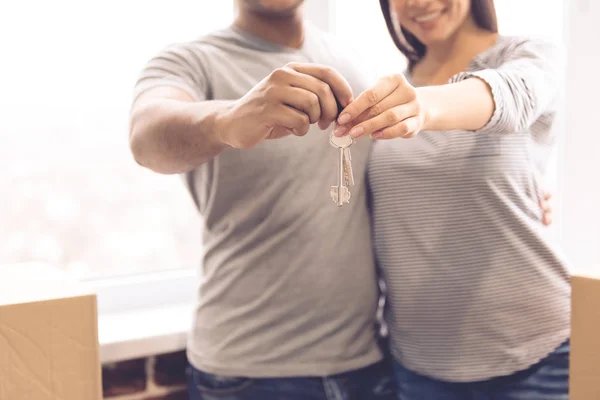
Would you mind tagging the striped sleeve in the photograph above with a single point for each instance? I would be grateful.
(524, 86)
(178, 65)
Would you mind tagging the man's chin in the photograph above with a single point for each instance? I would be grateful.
(286, 13)
(274, 11)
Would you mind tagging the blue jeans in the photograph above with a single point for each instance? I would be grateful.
(546, 380)
(375, 382)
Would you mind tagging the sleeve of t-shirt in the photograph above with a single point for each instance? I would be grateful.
(524, 86)
(178, 65)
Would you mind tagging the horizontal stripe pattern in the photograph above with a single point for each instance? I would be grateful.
(477, 285)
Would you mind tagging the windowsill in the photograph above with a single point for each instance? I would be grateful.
(143, 332)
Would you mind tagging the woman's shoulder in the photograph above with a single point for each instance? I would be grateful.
(508, 48)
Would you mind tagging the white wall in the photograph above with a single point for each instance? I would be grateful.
(581, 195)
(360, 23)
(319, 13)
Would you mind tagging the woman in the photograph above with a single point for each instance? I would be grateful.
(478, 293)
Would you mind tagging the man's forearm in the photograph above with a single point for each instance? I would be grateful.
(173, 136)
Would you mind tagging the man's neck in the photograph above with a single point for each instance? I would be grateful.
(284, 31)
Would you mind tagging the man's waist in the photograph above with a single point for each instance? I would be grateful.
(319, 360)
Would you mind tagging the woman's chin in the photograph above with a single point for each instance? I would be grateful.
(433, 37)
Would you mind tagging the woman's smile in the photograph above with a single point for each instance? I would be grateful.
(428, 20)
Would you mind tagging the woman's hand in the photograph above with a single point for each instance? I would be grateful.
(391, 109)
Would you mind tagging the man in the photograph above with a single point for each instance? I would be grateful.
(289, 297)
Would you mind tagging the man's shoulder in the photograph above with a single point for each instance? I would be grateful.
(212, 41)
(207, 52)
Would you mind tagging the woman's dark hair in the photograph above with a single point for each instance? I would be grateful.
(484, 15)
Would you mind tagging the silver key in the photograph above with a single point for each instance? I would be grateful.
(345, 142)
(340, 194)
(348, 173)
(344, 198)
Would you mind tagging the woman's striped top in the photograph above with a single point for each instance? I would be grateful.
(477, 285)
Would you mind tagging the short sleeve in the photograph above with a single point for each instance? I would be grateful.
(524, 81)
(178, 65)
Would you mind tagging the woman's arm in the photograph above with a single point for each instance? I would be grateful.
(466, 105)
(506, 99)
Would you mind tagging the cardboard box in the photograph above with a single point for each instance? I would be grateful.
(585, 338)
(48, 336)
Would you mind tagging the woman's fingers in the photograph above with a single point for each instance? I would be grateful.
(383, 88)
(386, 119)
(406, 129)
(386, 104)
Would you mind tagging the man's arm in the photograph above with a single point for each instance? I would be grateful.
(170, 133)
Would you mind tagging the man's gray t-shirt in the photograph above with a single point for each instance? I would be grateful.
(289, 284)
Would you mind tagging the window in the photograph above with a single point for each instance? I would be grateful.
(72, 193)
(532, 17)
(581, 195)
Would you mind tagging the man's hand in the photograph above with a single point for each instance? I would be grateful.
(546, 206)
(286, 102)
(171, 133)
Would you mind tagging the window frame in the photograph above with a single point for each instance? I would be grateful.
(125, 293)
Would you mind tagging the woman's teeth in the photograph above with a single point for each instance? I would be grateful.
(427, 17)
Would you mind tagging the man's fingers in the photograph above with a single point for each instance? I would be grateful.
(546, 206)
(546, 201)
(304, 101)
(328, 108)
(289, 118)
(338, 85)
(547, 219)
